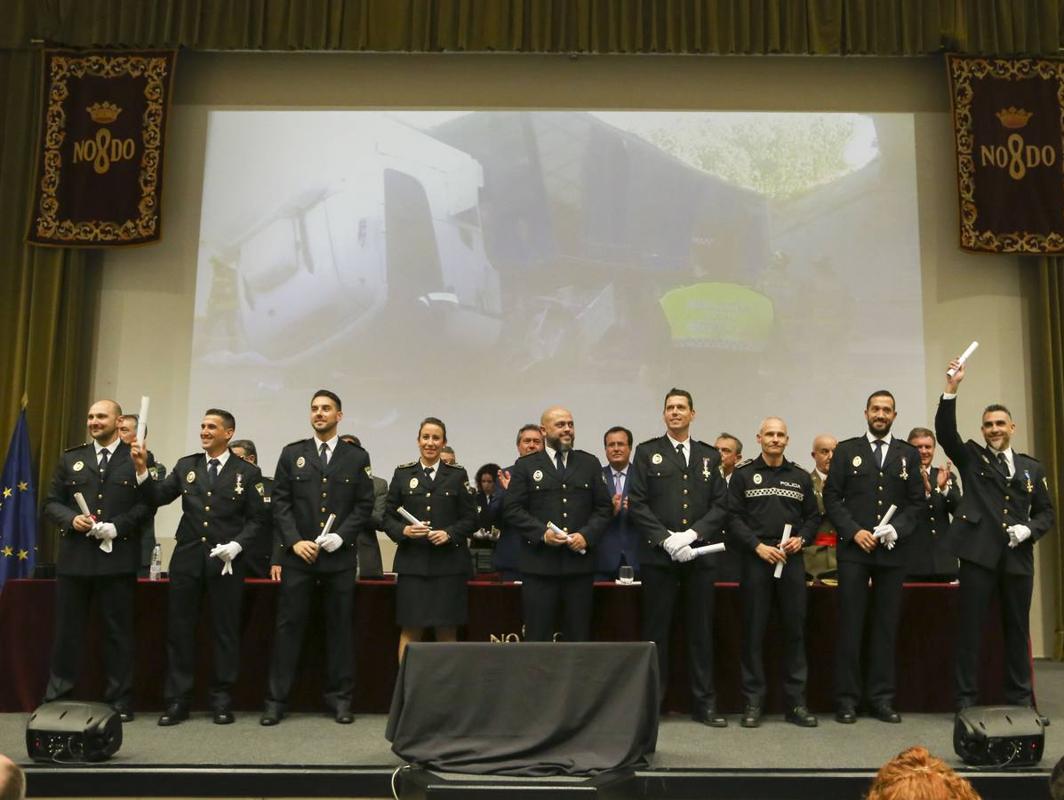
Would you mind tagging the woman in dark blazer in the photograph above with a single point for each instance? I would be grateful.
(432, 558)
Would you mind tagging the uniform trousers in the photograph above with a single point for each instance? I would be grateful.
(545, 598)
(662, 585)
(760, 591)
(224, 596)
(338, 601)
(977, 587)
(114, 605)
(882, 633)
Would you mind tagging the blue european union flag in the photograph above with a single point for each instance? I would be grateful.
(18, 508)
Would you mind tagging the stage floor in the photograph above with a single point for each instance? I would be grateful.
(314, 743)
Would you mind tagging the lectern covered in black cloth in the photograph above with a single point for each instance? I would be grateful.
(530, 709)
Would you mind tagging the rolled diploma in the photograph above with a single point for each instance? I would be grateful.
(963, 357)
(560, 532)
(786, 535)
(410, 517)
(885, 521)
(706, 549)
(79, 498)
(142, 419)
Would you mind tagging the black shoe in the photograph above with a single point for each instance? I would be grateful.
(710, 716)
(751, 717)
(800, 716)
(175, 713)
(223, 715)
(343, 714)
(846, 714)
(271, 716)
(125, 713)
(884, 713)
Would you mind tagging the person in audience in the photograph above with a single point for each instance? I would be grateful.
(127, 432)
(1005, 509)
(98, 556)
(619, 546)
(222, 513)
(318, 481)
(915, 774)
(508, 547)
(764, 495)
(370, 564)
(677, 499)
(447, 455)
(729, 563)
(869, 474)
(263, 557)
(12, 780)
(432, 558)
(931, 559)
(488, 500)
(558, 503)
(821, 564)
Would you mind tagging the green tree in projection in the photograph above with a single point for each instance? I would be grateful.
(778, 156)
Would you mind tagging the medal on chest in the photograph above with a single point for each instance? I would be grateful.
(705, 468)
(904, 474)
(239, 483)
(1029, 485)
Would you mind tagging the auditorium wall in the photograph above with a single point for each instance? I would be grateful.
(143, 332)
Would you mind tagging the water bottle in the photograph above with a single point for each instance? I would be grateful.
(156, 568)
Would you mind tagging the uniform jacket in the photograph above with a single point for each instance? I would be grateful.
(929, 547)
(446, 505)
(992, 502)
(507, 550)
(667, 495)
(115, 499)
(577, 501)
(232, 510)
(762, 499)
(857, 494)
(306, 492)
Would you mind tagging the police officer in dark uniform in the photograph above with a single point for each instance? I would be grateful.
(505, 557)
(258, 558)
(432, 559)
(564, 486)
(931, 558)
(868, 475)
(316, 478)
(678, 499)
(1004, 511)
(222, 515)
(98, 556)
(764, 495)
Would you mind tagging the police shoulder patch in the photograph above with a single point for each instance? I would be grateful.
(407, 465)
(744, 462)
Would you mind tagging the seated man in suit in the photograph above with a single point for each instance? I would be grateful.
(931, 559)
(508, 546)
(821, 564)
(620, 544)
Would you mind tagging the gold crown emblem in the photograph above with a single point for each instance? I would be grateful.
(1013, 117)
(104, 113)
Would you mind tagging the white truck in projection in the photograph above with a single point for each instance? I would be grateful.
(397, 237)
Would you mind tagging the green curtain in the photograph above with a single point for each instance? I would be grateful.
(49, 298)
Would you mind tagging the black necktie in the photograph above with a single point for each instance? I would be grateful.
(559, 462)
(1003, 464)
(104, 456)
(680, 453)
(428, 475)
(324, 454)
(879, 453)
(212, 471)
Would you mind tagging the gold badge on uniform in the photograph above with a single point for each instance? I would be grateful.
(191, 476)
(656, 458)
(537, 476)
(79, 466)
(757, 478)
(260, 489)
(413, 483)
(301, 462)
(367, 468)
(857, 461)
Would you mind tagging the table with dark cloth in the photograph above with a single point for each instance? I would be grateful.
(925, 645)
(556, 709)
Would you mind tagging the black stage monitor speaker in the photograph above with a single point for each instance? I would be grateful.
(66, 732)
(999, 736)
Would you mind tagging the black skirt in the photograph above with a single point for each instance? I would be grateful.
(429, 601)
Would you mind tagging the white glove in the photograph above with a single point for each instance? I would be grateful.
(684, 554)
(329, 542)
(1018, 534)
(105, 532)
(887, 535)
(227, 552)
(678, 539)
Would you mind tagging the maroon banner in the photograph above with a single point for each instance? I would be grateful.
(100, 168)
(1008, 116)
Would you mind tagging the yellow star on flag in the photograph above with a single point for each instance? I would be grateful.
(7, 492)
(23, 486)
(7, 551)
(23, 555)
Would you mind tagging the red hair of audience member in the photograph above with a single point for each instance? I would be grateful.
(915, 774)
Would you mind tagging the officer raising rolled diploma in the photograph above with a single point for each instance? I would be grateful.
(1005, 509)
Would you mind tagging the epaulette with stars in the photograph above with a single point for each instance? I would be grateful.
(744, 462)
(407, 465)
(76, 447)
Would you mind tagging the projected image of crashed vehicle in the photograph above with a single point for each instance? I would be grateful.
(395, 243)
